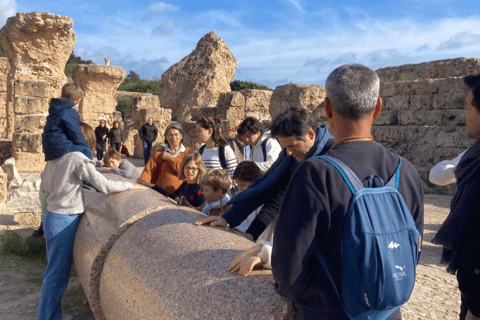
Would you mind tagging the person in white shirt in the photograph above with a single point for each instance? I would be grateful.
(443, 173)
(264, 149)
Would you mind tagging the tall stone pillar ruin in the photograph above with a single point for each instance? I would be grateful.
(38, 46)
(100, 84)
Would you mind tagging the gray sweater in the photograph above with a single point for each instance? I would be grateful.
(63, 180)
(127, 170)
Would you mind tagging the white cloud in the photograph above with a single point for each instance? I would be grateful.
(296, 4)
(157, 9)
(460, 40)
(8, 8)
(167, 28)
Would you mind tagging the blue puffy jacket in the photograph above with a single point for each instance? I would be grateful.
(62, 132)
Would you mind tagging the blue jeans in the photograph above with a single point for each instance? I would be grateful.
(147, 149)
(59, 235)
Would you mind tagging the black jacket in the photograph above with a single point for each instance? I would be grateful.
(312, 217)
(148, 132)
(99, 133)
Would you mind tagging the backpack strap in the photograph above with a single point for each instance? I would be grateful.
(201, 149)
(221, 156)
(324, 265)
(353, 182)
(395, 178)
(264, 149)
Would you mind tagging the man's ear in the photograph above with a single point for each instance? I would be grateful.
(378, 108)
(328, 108)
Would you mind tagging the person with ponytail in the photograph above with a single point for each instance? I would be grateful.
(215, 150)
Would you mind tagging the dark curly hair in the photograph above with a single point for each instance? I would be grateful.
(294, 121)
(250, 124)
(473, 82)
(247, 171)
(214, 124)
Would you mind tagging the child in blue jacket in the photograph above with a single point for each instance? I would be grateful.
(62, 134)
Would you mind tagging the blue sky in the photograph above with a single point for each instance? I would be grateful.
(275, 41)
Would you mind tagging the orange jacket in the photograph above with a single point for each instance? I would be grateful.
(164, 173)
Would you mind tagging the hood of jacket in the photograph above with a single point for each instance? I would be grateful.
(57, 105)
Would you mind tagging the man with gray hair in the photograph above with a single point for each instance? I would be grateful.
(313, 213)
(148, 133)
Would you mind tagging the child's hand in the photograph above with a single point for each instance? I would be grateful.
(137, 186)
(213, 221)
(246, 261)
(166, 156)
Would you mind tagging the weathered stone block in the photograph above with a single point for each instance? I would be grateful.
(3, 188)
(4, 67)
(3, 105)
(31, 123)
(39, 89)
(386, 117)
(421, 102)
(451, 100)
(395, 134)
(397, 102)
(28, 142)
(257, 103)
(453, 117)
(420, 117)
(145, 102)
(458, 67)
(30, 105)
(29, 162)
(446, 153)
(300, 95)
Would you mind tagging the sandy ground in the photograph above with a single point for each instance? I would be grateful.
(435, 296)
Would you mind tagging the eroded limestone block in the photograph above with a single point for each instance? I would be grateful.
(29, 105)
(14, 179)
(33, 123)
(257, 103)
(3, 105)
(296, 95)
(3, 187)
(25, 198)
(28, 39)
(199, 78)
(29, 162)
(32, 88)
(4, 68)
(27, 142)
(99, 83)
(458, 67)
(145, 102)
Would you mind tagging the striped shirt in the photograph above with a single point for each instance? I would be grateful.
(212, 161)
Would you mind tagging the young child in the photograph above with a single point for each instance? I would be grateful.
(216, 184)
(113, 160)
(244, 175)
(192, 171)
(62, 133)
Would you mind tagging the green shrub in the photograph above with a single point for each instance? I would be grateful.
(238, 85)
(124, 104)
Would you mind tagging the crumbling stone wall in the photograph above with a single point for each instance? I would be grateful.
(306, 96)
(35, 75)
(4, 67)
(422, 118)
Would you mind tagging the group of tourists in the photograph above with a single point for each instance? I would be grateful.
(338, 217)
(113, 137)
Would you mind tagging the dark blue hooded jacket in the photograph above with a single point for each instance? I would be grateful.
(274, 181)
(62, 133)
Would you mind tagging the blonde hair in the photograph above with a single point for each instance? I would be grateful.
(197, 158)
(89, 135)
(72, 91)
(217, 179)
(112, 154)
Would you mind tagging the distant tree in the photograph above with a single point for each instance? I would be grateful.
(145, 86)
(133, 76)
(2, 53)
(238, 85)
(124, 104)
(72, 62)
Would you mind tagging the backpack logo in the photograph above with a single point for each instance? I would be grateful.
(393, 245)
(399, 275)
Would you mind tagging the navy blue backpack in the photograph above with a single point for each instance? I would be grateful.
(379, 250)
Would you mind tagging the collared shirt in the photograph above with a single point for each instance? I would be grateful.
(215, 204)
(174, 154)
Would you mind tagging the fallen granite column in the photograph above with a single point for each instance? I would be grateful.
(139, 256)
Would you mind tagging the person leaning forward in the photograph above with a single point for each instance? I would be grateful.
(314, 209)
(301, 140)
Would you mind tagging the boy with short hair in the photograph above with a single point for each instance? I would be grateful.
(216, 184)
(62, 133)
(122, 167)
